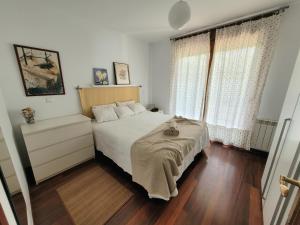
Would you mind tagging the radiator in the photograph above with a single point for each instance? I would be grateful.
(262, 135)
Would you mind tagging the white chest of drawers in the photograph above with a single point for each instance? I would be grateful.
(55, 145)
(7, 167)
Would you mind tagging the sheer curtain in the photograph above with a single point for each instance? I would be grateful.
(242, 56)
(190, 59)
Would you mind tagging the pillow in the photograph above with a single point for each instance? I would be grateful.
(104, 114)
(137, 107)
(123, 111)
(103, 106)
(125, 103)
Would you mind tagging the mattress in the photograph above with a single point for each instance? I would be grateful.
(115, 138)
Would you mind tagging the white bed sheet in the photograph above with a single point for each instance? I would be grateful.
(115, 138)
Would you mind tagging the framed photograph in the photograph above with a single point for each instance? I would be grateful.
(121, 73)
(100, 76)
(40, 71)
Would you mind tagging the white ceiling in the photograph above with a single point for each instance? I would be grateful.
(148, 19)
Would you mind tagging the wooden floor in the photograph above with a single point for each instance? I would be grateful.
(223, 189)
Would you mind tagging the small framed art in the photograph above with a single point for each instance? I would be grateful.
(121, 73)
(40, 71)
(100, 76)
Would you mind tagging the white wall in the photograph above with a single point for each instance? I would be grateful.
(81, 45)
(7, 131)
(160, 66)
(278, 78)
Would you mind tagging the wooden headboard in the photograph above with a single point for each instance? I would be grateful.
(90, 97)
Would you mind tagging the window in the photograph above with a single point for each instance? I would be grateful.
(191, 86)
(239, 67)
(191, 59)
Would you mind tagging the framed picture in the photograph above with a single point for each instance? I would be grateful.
(40, 71)
(100, 76)
(121, 73)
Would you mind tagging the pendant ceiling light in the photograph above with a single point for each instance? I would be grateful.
(179, 14)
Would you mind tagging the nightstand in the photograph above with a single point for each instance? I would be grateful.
(55, 145)
(159, 111)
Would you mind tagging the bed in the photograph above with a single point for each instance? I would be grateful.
(115, 140)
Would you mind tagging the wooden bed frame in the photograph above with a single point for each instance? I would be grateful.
(90, 97)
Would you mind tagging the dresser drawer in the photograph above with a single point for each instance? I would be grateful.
(52, 152)
(46, 138)
(13, 184)
(7, 167)
(3, 150)
(56, 166)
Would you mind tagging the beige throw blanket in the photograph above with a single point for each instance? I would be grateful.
(156, 158)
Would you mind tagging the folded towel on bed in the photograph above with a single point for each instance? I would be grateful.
(172, 130)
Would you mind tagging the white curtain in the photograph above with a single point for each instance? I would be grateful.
(242, 56)
(190, 59)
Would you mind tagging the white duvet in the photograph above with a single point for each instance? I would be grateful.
(115, 138)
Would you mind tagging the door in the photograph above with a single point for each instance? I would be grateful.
(284, 158)
(294, 216)
(276, 207)
(3, 220)
(7, 214)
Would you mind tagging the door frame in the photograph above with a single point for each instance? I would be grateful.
(8, 195)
